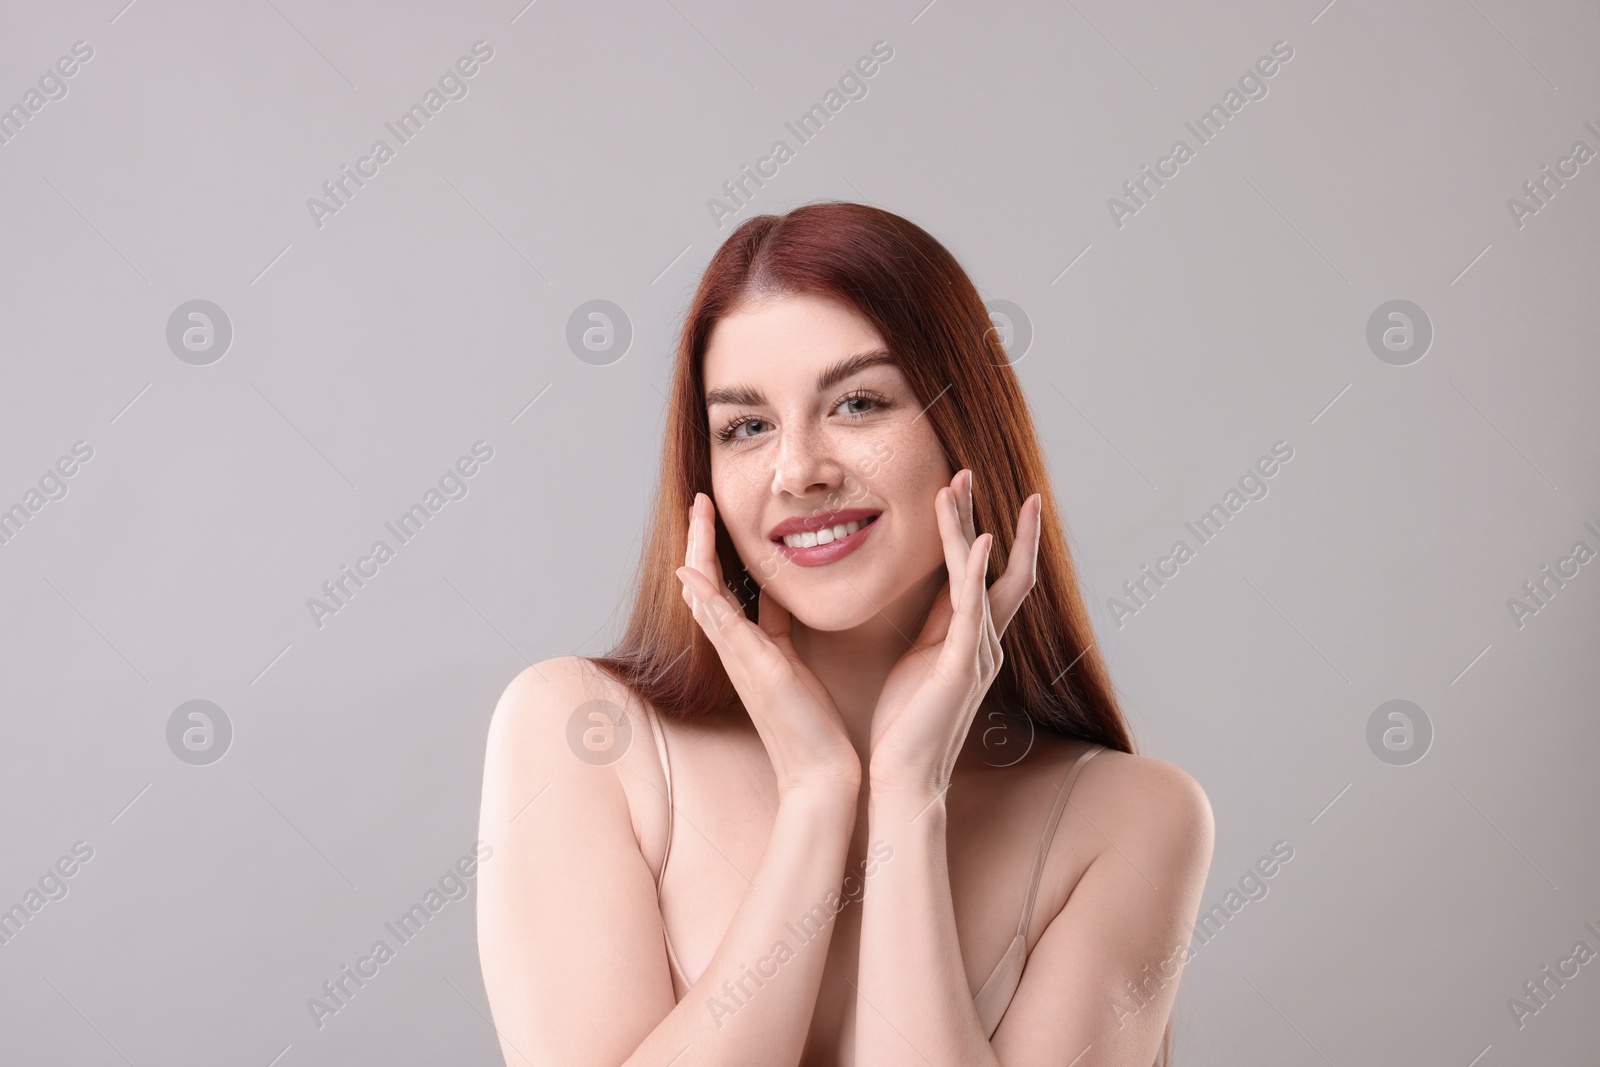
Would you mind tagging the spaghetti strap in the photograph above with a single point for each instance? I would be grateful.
(660, 737)
(1047, 838)
(994, 996)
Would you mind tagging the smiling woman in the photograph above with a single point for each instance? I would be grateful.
(840, 403)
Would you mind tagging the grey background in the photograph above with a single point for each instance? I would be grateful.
(369, 354)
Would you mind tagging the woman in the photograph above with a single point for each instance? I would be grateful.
(858, 706)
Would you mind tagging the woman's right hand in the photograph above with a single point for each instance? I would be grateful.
(792, 711)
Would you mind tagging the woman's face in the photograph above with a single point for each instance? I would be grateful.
(816, 433)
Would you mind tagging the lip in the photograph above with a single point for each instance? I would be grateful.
(802, 523)
(821, 555)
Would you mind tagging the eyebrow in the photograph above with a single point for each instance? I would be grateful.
(748, 396)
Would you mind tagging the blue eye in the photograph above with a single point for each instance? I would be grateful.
(732, 429)
(874, 402)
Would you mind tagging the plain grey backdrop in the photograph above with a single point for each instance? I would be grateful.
(1430, 540)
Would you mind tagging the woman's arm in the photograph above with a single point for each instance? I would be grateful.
(1102, 977)
(1101, 981)
(569, 928)
(913, 1005)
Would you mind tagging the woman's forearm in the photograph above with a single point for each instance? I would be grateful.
(913, 1004)
(754, 1001)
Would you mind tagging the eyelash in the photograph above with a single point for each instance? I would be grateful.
(879, 401)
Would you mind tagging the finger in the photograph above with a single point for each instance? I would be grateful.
(704, 557)
(723, 621)
(704, 604)
(988, 638)
(688, 542)
(937, 624)
(955, 544)
(967, 522)
(1022, 566)
(705, 542)
(773, 618)
(966, 627)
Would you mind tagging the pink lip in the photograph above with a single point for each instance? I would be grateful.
(814, 522)
(821, 555)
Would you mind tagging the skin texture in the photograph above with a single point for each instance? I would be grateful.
(866, 672)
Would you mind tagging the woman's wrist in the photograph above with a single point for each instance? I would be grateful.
(919, 784)
(903, 801)
(832, 791)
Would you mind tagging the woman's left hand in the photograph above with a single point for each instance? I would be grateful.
(932, 694)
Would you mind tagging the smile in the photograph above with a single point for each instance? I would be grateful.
(811, 539)
(822, 539)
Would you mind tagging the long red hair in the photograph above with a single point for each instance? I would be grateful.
(912, 290)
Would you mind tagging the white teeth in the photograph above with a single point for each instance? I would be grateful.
(811, 539)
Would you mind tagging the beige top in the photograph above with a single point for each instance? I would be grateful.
(994, 996)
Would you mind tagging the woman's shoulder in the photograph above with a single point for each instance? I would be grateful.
(1142, 802)
(564, 719)
(1116, 795)
(1140, 778)
(566, 726)
(543, 695)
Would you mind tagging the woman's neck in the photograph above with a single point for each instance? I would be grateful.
(853, 664)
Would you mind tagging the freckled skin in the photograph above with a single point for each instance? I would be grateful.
(808, 451)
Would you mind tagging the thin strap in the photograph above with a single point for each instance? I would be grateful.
(666, 770)
(660, 737)
(1047, 838)
(994, 996)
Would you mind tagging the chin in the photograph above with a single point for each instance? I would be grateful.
(834, 606)
(831, 614)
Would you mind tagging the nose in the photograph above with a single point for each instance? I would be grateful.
(804, 463)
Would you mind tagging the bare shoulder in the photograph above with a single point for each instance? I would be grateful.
(1148, 805)
(541, 724)
(543, 689)
(536, 712)
(567, 728)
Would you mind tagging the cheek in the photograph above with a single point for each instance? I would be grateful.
(906, 469)
(738, 510)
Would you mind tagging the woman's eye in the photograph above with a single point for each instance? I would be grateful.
(735, 431)
(866, 403)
